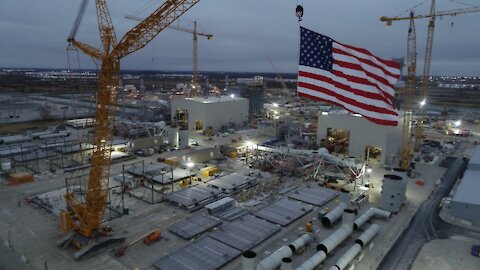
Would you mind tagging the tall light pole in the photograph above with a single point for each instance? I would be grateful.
(190, 166)
(247, 145)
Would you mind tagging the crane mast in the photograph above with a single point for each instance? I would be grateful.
(195, 44)
(86, 217)
(428, 56)
(425, 78)
(406, 149)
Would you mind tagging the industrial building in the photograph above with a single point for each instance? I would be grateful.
(353, 135)
(217, 112)
(465, 204)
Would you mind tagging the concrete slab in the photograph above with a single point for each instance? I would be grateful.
(204, 254)
(232, 183)
(283, 212)
(448, 254)
(178, 174)
(194, 197)
(193, 226)
(245, 232)
(314, 195)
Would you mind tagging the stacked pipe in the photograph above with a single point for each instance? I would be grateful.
(354, 250)
(330, 243)
(275, 259)
(333, 215)
(369, 214)
(286, 264)
(249, 260)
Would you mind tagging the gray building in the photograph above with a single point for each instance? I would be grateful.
(352, 135)
(212, 111)
(474, 163)
(465, 204)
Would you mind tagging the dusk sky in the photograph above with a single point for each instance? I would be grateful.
(246, 33)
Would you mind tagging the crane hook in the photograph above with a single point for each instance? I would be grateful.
(299, 12)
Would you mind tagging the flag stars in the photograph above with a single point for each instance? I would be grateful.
(316, 50)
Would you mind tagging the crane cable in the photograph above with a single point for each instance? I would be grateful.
(137, 12)
(463, 3)
(78, 19)
(412, 8)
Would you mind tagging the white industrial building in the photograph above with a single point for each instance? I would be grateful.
(211, 111)
(465, 204)
(355, 136)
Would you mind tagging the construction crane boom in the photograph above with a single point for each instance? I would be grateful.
(88, 214)
(425, 78)
(78, 19)
(195, 43)
(428, 56)
(408, 94)
(451, 12)
(147, 29)
(175, 27)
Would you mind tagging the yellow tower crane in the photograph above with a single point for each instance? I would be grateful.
(428, 56)
(85, 216)
(195, 34)
(406, 147)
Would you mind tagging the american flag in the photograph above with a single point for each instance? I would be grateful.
(350, 77)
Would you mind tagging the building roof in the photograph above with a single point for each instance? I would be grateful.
(469, 188)
(215, 99)
(475, 158)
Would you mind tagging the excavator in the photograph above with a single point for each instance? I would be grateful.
(84, 214)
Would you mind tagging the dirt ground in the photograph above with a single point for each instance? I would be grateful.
(447, 254)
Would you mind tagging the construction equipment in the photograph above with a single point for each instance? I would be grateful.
(280, 78)
(428, 56)
(406, 148)
(195, 43)
(450, 12)
(149, 237)
(152, 237)
(73, 33)
(85, 214)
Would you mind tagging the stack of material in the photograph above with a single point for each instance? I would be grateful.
(20, 178)
(210, 170)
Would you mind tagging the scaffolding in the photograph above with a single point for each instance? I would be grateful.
(144, 187)
(77, 184)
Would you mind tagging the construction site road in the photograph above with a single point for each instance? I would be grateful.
(426, 225)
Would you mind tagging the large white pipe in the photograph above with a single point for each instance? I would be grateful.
(275, 259)
(333, 215)
(348, 217)
(300, 242)
(331, 242)
(348, 256)
(313, 261)
(286, 264)
(368, 214)
(368, 235)
(354, 250)
(249, 260)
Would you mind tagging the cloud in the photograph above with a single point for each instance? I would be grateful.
(246, 33)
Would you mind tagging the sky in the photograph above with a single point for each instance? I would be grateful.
(247, 33)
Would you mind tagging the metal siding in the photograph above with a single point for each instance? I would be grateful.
(283, 212)
(246, 232)
(314, 195)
